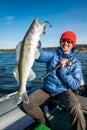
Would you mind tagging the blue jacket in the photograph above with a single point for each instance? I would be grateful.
(61, 79)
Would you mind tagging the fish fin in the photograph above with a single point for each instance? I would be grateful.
(37, 53)
(16, 74)
(18, 49)
(31, 76)
(23, 97)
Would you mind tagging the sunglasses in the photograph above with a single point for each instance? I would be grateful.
(66, 40)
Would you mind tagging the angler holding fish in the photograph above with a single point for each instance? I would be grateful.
(26, 53)
(60, 84)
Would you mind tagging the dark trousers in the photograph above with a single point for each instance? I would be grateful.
(36, 99)
(68, 100)
(73, 107)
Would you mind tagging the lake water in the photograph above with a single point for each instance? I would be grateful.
(8, 62)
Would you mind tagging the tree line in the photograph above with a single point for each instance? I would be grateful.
(79, 46)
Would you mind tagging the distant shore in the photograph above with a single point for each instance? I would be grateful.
(7, 50)
(46, 48)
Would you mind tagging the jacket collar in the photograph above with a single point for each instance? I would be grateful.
(62, 55)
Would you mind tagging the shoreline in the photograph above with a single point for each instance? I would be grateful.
(44, 48)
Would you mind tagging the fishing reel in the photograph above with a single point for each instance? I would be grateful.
(71, 61)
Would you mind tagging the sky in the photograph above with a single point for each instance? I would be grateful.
(16, 17)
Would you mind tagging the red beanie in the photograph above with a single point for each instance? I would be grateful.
(69, 35)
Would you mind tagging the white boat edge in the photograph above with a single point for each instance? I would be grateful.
(11, 115)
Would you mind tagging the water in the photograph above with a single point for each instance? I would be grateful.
(8, 82)
(8, 62)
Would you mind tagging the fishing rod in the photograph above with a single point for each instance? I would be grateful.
(59, 65)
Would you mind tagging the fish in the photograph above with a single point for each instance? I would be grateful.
(26, 53)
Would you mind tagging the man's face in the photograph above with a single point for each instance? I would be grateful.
(66, 45)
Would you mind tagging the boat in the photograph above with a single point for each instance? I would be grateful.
(14, 117)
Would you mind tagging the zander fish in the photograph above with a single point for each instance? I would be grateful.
(26, 53)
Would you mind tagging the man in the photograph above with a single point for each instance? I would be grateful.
(61, 83)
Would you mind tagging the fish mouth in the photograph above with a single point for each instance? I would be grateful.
(37, 27)
(38, 24)
(43, 25)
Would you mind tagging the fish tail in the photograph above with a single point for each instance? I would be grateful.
(23, 97)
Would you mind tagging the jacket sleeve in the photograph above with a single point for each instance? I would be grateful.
(72, 79)
(45, 55)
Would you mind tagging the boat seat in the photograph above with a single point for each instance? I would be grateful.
(51, 106)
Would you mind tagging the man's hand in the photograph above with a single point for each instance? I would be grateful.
(63, 62)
